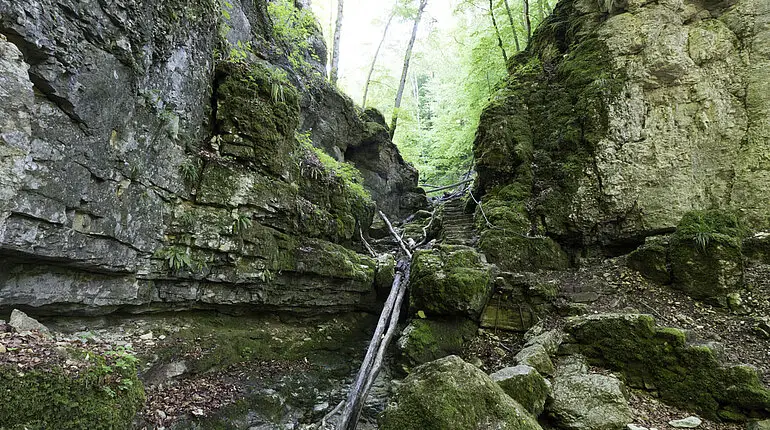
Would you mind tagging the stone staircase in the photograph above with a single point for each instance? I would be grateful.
(459, 226)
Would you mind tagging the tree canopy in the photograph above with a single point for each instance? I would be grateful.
(455, 67)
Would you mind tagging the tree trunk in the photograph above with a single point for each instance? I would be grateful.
(374, 60)
(513, 27)
(336, 49)
(497, 32)
(541, 9)
(407, 57)
(527, 22)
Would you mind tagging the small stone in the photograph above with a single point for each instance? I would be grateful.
(23, 323)
(160, 414)
(686, 423)
(198, 412)
(2, 349)
(146, 336)
(759, 425)
(321, 407)
(635, 427)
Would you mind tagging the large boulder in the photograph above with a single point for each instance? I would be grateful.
(450, 393)
(525, 385)
(22, 322)
(706, 257)
(588, 401)
(449, 281)
(427, 340)
(623, 115)
(686, 375)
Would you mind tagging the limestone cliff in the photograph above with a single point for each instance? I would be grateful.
(157, 155)
(623, 115)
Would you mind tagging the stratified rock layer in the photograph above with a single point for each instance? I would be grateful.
(151, 157)
(622, 116)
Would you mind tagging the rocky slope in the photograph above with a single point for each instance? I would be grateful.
(158, 156)
(623, 115)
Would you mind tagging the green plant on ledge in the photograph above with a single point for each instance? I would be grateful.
(242, 223)
(176, 257)
(705, 227)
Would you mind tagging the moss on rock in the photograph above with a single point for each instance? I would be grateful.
(450, 393)
(515, 252)
(449, 281)
(427, 340)
(658, 358)
(257, 114)
(706, 255)
(104, 394)
(651, 260)
(525, 385)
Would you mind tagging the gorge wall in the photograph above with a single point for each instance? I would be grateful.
(623, 115)
(157, 155)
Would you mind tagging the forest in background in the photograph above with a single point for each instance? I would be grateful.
(457, 61)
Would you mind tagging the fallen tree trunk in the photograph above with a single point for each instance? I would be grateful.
(383, 334)
(373, 360)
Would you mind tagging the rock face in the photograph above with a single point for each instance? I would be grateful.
(450, 393)
(660, 358)
(622, 116)
(152, 156)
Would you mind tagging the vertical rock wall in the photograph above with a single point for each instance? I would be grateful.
(623, 115)
(142, 167)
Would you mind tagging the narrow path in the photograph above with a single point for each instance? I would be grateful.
(459, 226)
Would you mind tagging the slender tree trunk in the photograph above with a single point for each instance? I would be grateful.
(336, 50)
(330, 42)
(527, 22)
(497, 31)
(407, 57)
(541, 9)
(513, 27)
(374, 60)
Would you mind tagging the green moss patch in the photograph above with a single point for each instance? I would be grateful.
(101, 392)
(660, 359)
(427, 340)
(449, 281)
(451, 394)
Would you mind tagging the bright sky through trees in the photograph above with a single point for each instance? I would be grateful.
(454, 69)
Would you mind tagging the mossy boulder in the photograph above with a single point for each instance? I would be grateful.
(525, 385)
(449, 281)
(516, 252)
(659, 358)
(706, 255)
(535, 355)
(582, 400)
(452, 394)
(104, 393)
(506, 233)
(427, 340)
(651, 259)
